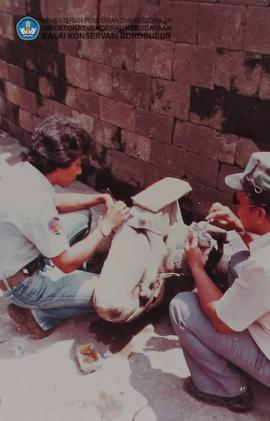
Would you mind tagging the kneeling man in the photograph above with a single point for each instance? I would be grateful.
(36, 223)
(220, 332)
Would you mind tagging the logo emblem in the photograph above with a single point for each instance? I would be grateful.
(55, 226)
(28, 28)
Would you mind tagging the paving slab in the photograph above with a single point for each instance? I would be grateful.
(140, 378)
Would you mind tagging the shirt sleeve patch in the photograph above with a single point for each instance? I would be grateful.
(55, 226)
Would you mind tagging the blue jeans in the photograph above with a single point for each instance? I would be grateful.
(52, 295)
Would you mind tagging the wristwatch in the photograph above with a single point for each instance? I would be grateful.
(105, 228)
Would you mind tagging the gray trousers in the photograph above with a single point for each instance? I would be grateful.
(213, 357)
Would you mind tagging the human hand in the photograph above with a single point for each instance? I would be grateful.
(116, 215)
(223, 217)
(146, 293)
(193, 253)
(107, 201)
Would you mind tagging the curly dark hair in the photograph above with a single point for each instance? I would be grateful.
(57, 142)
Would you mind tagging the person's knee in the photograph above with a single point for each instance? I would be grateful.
(85, 217)
(82, 224)
(235, 260)
(183, 309)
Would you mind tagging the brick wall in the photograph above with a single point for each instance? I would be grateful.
(194, 106)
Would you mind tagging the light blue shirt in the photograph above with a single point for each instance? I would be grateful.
(29, 221)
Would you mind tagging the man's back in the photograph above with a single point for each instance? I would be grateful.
(246, 305)
(24, 195)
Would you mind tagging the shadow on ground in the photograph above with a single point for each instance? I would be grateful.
(140, 378)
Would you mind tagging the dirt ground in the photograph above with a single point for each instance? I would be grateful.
(140, 378)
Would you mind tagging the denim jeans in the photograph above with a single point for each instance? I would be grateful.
(52, 295)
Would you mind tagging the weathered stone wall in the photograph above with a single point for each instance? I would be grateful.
(194, 106)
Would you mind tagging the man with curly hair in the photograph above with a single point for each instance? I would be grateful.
(37, 224)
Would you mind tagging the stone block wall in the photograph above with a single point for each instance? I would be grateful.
(194, 106)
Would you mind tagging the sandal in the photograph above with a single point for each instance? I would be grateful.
(24, 318)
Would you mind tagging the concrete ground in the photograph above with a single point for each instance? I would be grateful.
(140, 378)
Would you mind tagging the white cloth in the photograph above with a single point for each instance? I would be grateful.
(136, 256)
(29, 221)
(160, 228)
(158, 222)
(246, 305)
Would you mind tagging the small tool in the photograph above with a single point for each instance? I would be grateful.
(110, 193)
